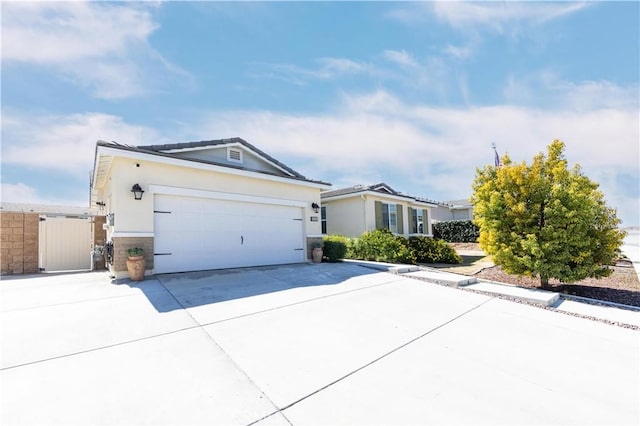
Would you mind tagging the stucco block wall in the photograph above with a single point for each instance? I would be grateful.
(99, 238)
(99, 234)
(19, 243)
(122, 244)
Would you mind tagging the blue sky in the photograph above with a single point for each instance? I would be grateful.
(409, 93)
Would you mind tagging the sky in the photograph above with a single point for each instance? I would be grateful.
(408, 93)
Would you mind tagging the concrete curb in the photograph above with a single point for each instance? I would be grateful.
(541, 297)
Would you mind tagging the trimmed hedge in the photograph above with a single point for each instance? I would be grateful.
(382, 246)
(456, 231)
(428, 250)
(335, 247)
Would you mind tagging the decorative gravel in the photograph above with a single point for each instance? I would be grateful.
(622, 286)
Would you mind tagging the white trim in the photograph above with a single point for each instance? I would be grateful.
(406, 199)
(188, 192)
(118, 234)
(104, 150)
(316, 236)
(197, 148)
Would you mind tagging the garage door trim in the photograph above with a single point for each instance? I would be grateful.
(226, 196)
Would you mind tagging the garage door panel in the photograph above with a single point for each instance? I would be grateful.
(211, 234)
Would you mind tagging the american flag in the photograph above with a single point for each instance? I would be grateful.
(497, 161)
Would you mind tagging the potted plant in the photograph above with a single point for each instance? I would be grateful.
(136, 264)
(317, 252)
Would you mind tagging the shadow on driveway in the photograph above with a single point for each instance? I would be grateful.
(192, 289)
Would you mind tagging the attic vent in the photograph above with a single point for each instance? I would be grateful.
(234, 154)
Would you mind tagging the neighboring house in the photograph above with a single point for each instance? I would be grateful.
(353, 211)
(453, 210)
(204, 205)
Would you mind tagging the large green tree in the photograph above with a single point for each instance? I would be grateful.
(545, 220)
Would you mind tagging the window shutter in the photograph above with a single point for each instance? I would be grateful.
(413, 220)
(426, 221)
(399, 209)
(378, 208)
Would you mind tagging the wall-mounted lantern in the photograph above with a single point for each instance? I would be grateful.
(315, 207)
(100, 205)
(137, 191)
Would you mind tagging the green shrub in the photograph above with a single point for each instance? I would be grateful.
(456, 231)
(382, 246)
(335, 247)
(135, 251)
(428, 250)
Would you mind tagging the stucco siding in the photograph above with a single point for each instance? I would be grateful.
(137, 215)
(346, 217)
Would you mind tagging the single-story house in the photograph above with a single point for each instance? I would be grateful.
(204, 205)
(49, 238)
(358, 209)
(453, 210)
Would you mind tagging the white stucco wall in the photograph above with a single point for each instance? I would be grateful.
(133, 216)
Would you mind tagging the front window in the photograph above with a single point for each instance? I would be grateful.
(390, 217)
(417, 221)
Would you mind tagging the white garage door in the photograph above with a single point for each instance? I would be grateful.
(195, 234)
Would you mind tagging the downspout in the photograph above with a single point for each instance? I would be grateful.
(364, 202)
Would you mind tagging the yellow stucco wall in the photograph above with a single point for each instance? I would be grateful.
(346, 217)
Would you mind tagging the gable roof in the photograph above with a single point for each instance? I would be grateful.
(379, 188)
(102, 163)
(185, 146)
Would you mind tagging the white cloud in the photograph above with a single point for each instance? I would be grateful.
(431, 75)
(326, 69)
(23, 193)
(400, 57)
(64, 143)
(434, 151)
(459, 52)
(103, 47)
(500, 16)
(19, 193)
(546, 86)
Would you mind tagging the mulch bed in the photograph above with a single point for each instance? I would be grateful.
(622, 286)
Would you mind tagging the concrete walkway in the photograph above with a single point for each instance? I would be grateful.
(304, 344)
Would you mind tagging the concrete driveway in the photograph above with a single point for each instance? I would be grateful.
(305, 344)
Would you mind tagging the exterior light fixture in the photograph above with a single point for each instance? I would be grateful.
(315, 207)
(100, 204)
(137, 191)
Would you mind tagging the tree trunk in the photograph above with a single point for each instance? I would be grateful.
(544, 282)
